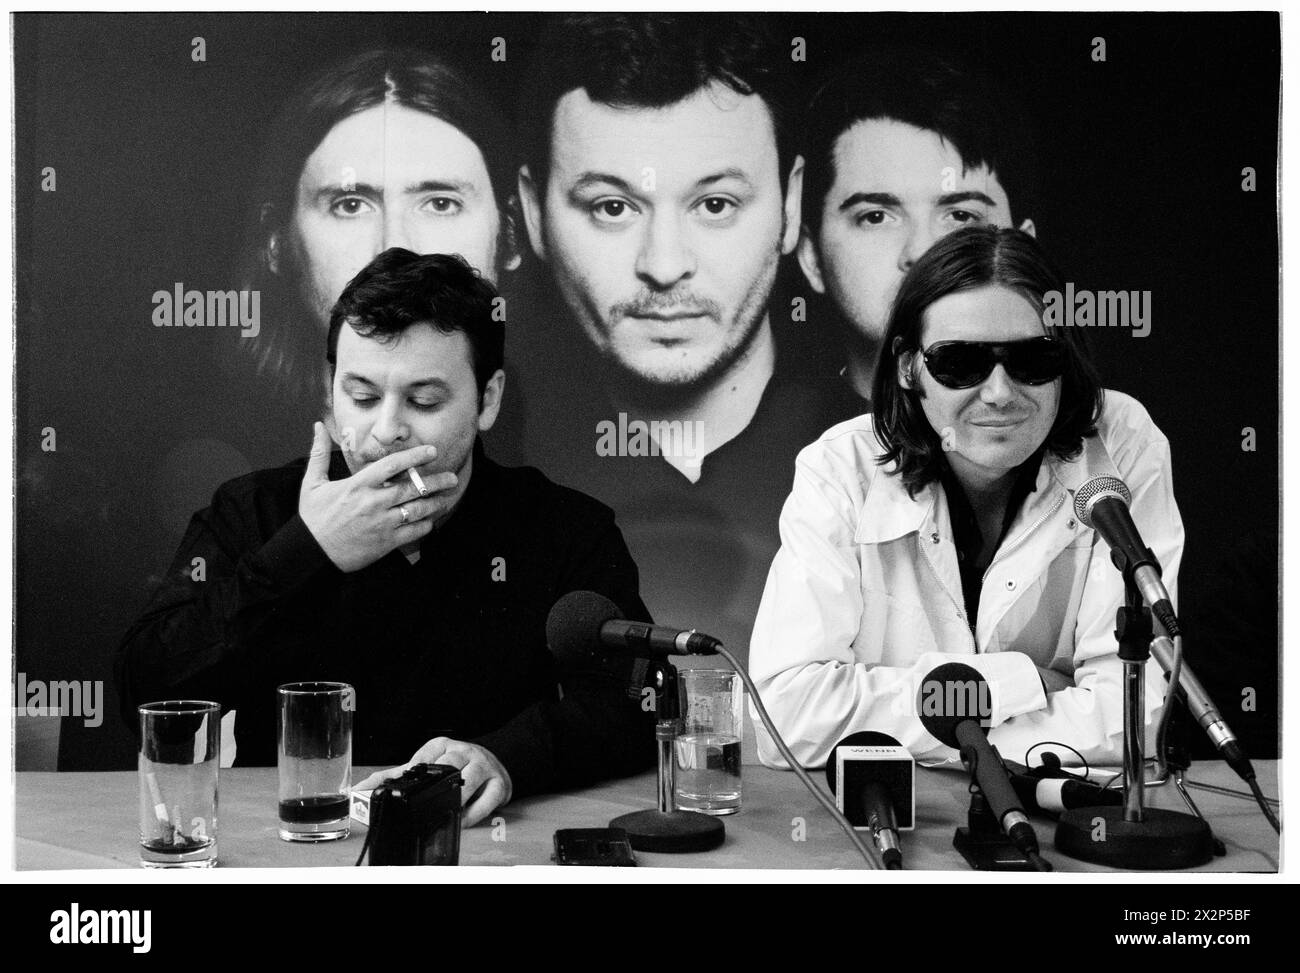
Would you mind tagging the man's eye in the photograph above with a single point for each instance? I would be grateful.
(964, 216)
(351, 206)
(425, 406)
(872, 217)
(612, 210)
(363, 401)
(444, 205)
(718, 207)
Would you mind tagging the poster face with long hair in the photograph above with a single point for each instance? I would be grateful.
(714, 246)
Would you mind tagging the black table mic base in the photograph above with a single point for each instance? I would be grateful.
(1160, 841)
(671, 831)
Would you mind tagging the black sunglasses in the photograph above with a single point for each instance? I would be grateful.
(962, 364)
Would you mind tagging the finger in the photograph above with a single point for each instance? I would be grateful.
(459, 759)
(403, 491)
(431, 752)
(473, 777)
(378, 777)
(409, 533)
(395, 464)
(493, 796)
(318, 463)
(420, 509)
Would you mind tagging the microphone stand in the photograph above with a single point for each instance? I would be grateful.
(1134, 836)
(666, 829)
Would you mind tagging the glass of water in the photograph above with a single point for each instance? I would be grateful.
(180, 750)
(314, 731)
(708, 747)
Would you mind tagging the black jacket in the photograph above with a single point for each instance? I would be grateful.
(453, 645)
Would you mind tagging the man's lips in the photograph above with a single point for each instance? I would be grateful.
(687, 315)
(1000, 422)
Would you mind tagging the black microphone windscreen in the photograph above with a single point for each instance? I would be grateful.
(863, 738)
(573, 626)
(949, 696)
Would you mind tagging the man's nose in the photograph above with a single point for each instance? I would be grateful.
(390, 424)
(919, 240)
(666, 256)
(397, 233)
(997, 389)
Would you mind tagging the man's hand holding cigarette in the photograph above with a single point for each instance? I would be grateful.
(376, 510)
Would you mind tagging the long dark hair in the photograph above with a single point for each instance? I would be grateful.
(971, 258)
(290, 348)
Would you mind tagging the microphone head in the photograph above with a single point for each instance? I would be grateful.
(863, 738)
(1099, 488)
(573, 626)
(949, 696)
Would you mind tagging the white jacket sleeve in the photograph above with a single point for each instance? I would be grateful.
(801, 653)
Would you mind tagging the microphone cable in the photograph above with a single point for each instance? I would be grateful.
(869, 853)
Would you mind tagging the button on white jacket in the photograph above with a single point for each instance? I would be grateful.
(864, 599)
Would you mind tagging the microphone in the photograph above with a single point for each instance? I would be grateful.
(957, 683)
(1054, 795)
(581, 622)
(1102, 504)
(1203, 710)
(873, 776)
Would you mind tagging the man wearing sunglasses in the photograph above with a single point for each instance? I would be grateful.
(943, 529)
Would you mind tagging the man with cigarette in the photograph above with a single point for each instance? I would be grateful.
(406, 563)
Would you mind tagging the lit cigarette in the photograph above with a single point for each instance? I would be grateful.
(418, 483)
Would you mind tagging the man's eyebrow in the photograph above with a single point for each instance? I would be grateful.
(967, 196)
(338, 189)
(732, 172)
(876, 199)
(420, 383)
(588, 179)
(436, 384)
(463, 186)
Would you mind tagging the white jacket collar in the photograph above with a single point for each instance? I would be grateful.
(888, 513)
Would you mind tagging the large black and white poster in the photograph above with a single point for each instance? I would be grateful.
(696, 225)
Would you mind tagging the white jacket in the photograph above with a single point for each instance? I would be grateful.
(864, 599)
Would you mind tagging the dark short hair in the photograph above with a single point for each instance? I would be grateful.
(651, 60)
(969, 258)
(399, 289)
(287, 348)
(932, 92)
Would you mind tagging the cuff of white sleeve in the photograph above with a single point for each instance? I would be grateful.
(1015, 687)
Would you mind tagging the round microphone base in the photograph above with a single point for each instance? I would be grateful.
(674, 832)
(1163, 840)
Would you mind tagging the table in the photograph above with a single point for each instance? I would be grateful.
(88, 820)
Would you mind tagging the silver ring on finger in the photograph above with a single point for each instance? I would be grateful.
(406, 515)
